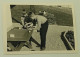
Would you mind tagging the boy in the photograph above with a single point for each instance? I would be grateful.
(24, 14)
(42, 27)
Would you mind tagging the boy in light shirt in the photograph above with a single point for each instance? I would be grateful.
(42, 27)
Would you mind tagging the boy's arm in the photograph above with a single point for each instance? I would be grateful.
(22, 20)
(39, 24)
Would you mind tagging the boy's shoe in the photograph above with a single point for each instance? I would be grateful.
(42, 49)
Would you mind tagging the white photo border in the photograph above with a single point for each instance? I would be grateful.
(6, 9)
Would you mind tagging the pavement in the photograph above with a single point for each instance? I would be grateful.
(53, 39)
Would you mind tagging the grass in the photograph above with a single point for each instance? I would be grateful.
(63, 16)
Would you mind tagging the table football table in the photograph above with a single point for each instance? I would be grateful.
(18, 35)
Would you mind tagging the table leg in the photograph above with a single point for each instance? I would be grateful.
(20, 46)
(29, 45)
(11, 46)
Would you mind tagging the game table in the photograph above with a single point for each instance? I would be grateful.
(20, 35)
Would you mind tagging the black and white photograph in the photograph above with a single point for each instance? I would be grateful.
(40, 28)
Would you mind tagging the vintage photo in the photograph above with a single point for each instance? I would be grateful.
(40, 28)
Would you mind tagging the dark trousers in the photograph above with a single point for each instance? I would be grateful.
(33, 40)
(43, 32)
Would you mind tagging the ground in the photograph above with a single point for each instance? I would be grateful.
(53, 40)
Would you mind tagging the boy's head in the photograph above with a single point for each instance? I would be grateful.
(24, 12)
(31, 15)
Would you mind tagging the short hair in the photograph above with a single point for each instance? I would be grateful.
(30, 13)
(24, 11)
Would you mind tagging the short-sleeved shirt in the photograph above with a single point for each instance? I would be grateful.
(28, 19)
(40, 20)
